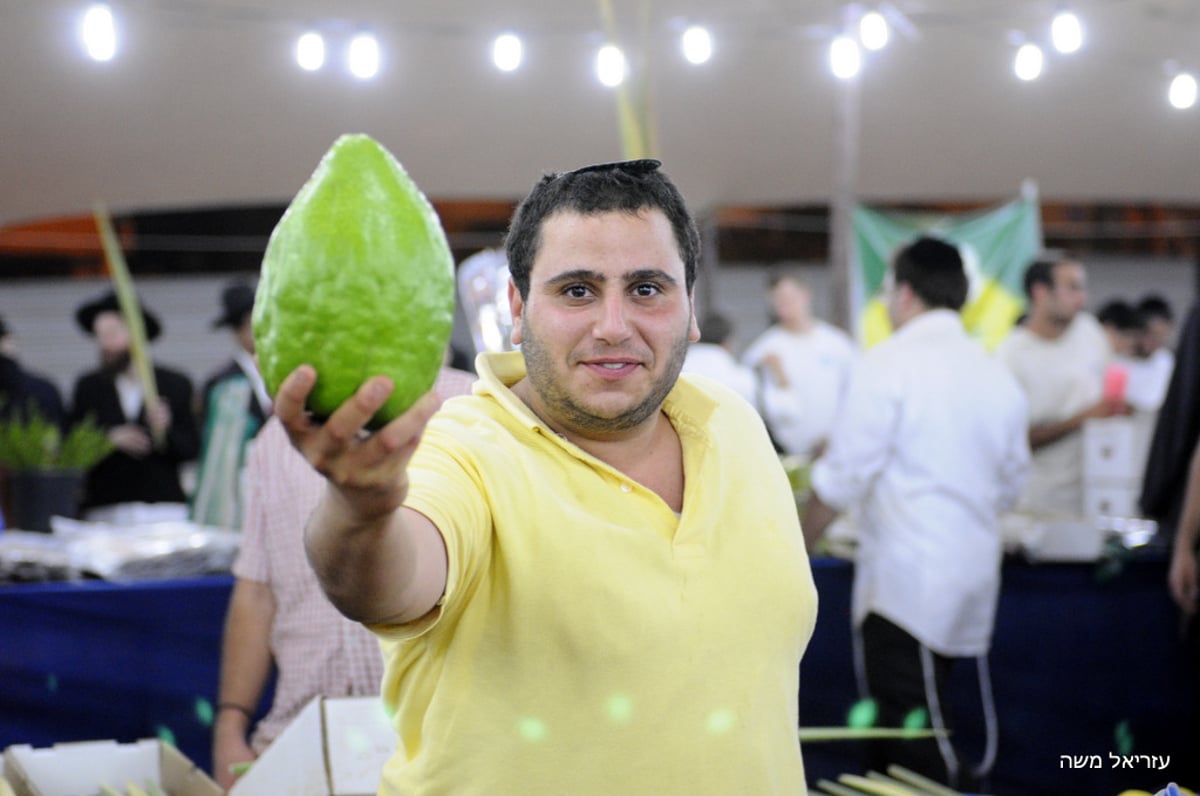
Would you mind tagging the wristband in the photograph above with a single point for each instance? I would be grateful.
(235, 706)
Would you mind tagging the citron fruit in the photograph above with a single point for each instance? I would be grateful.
(357, 281)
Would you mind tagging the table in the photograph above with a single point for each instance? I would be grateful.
(1080, 666)
(94, 660)
(1083, 663)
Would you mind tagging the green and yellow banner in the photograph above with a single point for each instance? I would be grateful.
(996, 244)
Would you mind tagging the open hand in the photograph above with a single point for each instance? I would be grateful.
(367, 469)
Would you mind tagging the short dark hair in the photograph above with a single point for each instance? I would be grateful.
(1153, 305)
(715, 328)
(1121, 315)
(1041, 271)
(934, 270)
(627, 186)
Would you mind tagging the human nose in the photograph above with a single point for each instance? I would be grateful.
(613, 324)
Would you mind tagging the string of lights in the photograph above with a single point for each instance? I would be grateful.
(864, 30)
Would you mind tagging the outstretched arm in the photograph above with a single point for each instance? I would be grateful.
(377, 562)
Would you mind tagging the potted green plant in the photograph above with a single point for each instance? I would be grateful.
(44, 466)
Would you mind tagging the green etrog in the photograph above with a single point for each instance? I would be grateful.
(357, 281)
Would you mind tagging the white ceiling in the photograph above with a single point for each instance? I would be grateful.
(204, 106)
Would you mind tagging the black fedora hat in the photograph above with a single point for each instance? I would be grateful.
(86, 314)
(237, 300)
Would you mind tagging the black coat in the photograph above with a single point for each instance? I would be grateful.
(21, 390)
(119, 477)
(1175, 433)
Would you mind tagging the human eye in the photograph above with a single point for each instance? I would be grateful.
(577, 291)
(646, 290)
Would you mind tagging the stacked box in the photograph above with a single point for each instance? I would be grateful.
(1114, 461)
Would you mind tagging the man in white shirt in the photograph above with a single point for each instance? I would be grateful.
(1059, 356)
(931, 447)
(804, 365)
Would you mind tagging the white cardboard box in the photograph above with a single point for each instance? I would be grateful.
(1115, 448)
(334, 747)
(79, 768)
(1118, 499)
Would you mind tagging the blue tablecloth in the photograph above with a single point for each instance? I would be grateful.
(1084, 662)
(94, 660)
(1081, 665)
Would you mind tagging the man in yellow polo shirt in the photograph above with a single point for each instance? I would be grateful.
(589, 578)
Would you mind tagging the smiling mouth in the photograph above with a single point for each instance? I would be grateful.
(615, 368)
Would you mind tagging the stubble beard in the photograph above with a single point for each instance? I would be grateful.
(572, 412)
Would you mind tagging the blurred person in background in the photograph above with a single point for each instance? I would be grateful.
(278, 618)
(713, 356)
(1159, 319)
(1059, 356)
(22, 391)
(804, 365)
(234, 405)
(1123, 326)
(151, 441)
(930, 447)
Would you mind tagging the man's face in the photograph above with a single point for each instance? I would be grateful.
(112, 337)
(791, 301)
(1068, 295)
(606, 325)
(1157, 335)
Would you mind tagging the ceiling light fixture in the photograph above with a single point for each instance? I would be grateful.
(98, 30)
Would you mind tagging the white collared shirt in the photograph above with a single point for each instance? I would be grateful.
(931, 444)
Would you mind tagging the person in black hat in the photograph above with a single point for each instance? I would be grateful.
(151, 441)
(234, 406)
(23, 392)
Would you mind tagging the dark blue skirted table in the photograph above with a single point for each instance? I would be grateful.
(1084, 663)
(94, 660)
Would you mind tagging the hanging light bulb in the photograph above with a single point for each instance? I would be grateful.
(1028, 63)
(873, 30)
(844, 58)
(1182, 92)
(99, 32)
(610, 65)
(697, 44)
(1066, 32)
(363, 56)
(310, 51)
(507, 52)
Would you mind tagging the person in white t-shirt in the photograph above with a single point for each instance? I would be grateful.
(930, 447)
(804, 365)
(1059, 356)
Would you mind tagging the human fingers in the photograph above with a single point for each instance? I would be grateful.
(130, 438)
(291, 396)
(349, 421)
(1183, 585)
(406, 429)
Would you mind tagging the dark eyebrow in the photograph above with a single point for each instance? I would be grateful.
(587, 275)
(650, 275)
(576, 275)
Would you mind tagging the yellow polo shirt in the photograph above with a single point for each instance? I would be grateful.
(591, 641)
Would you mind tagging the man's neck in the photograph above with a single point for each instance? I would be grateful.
(1047, 327)
(802, 326)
